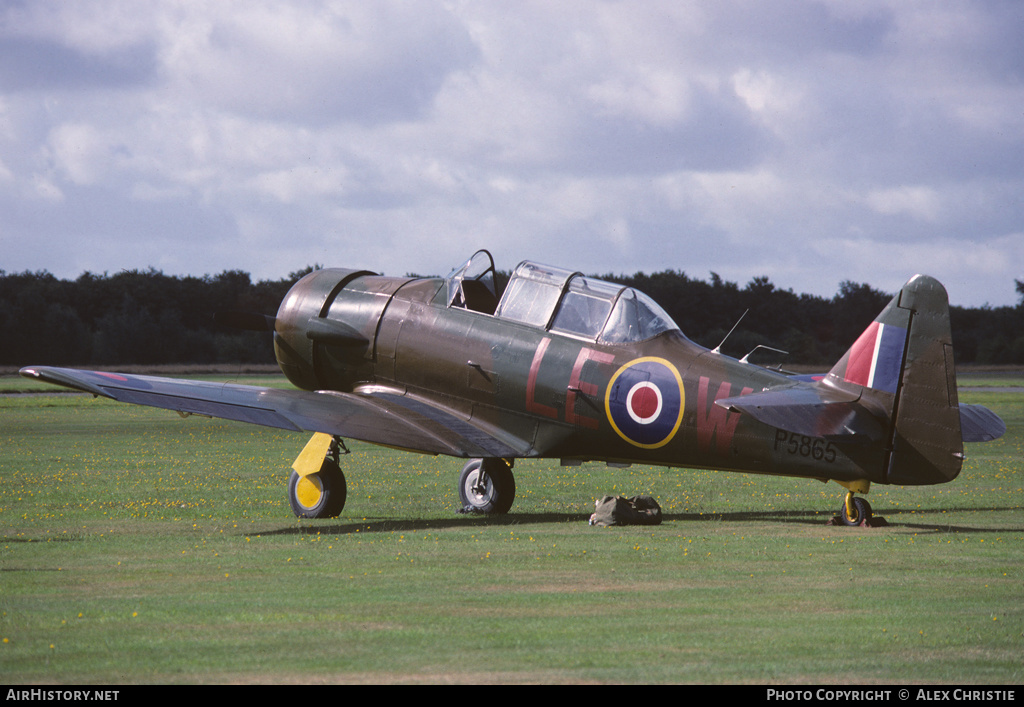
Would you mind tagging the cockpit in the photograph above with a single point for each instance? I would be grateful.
(558, 300)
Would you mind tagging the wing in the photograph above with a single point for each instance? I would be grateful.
(384, 417)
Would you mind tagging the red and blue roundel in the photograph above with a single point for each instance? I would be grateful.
(645, 401)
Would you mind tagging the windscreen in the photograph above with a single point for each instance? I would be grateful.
(635, 317)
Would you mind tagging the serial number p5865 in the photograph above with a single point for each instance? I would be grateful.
(815, 448)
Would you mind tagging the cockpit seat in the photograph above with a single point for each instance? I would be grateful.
(478, 297)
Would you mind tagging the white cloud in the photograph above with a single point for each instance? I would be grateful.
(777, 139)
(919, 202)
(79, 152)
(652, 95)
(960, 264)
(314, 63)
(44, 188)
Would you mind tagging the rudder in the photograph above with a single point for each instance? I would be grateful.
(903, 367)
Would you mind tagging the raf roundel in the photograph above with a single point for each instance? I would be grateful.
(645, 401)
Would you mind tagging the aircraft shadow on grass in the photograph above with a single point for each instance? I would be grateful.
(811, 518)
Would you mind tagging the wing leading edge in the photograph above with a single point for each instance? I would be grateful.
(388, 418)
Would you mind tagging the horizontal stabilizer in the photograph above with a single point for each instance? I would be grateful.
(820, 413)
(812, 411)
(979, 424)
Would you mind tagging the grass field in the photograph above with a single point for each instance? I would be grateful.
(138, 547)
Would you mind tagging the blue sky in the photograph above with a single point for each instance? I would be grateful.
(811, 141)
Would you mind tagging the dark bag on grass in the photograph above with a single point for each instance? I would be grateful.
(619, 510)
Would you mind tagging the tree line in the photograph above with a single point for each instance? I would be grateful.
(132, 317)
(147, 318)
(815, 330)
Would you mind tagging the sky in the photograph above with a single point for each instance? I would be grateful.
(808, 141)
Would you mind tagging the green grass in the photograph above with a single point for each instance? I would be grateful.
(980, 379)
(138, 547)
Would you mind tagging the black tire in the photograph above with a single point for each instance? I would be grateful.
(495, 494)
(862, 512)
(319, 495)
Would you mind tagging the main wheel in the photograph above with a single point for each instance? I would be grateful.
(860, 508)
(319, 495)
(491, 491)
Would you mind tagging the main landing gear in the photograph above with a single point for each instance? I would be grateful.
(317, 488)
(487, 486)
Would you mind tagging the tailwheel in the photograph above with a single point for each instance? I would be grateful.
(855, 511)
(318, 495)
(487, 486)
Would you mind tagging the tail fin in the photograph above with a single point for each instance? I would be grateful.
(902, 368)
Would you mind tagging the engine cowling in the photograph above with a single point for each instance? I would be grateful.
(326, 327)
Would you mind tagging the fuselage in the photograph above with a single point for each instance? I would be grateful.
(564, 389)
